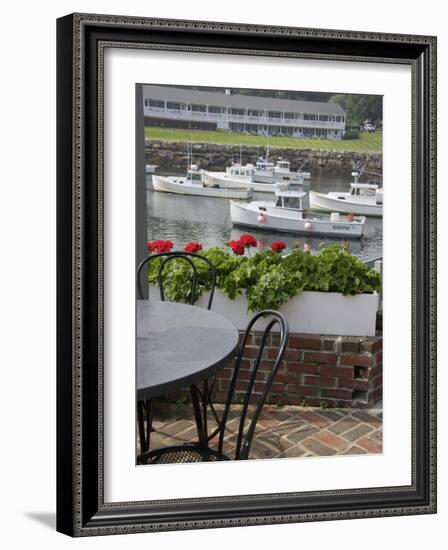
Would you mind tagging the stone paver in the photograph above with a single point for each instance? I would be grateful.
(300, 435)
(331, 440)
(316, 448)
(357, 432)
(282, 432)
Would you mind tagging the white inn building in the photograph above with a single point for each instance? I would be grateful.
(180, 107)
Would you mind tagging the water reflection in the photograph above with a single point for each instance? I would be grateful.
(207, 220)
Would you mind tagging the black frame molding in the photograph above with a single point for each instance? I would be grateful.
(81, 39)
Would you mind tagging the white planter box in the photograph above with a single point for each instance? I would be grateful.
(309, 312)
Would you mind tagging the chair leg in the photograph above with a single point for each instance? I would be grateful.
(204, 402)
(209, 392)
(198, 414)
(144, 412)
(149, 427)
(141, 425)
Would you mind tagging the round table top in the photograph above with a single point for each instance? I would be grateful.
(179, 345)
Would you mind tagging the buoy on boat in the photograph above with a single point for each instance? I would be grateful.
(308, 226)
(350, 217)
(261, 218)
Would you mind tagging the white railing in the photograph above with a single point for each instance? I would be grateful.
(183, 114)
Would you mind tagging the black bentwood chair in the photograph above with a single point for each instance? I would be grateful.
(144, 408)
(200, 452)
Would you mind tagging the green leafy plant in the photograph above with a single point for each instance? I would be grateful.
(267, 278)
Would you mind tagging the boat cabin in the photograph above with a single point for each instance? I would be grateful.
(264, 164)
(194, 174)
(363, 189)
(289, 199)
(240, 171)
(283, 165)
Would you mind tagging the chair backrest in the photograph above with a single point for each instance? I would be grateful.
(245, 435)
(182, 256)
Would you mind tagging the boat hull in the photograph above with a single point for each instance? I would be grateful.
(265, 176)
(325, 203)
(220, 178)
(290, 222)
(180, 186)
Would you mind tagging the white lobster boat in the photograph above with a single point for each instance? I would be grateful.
(363, 198)
(193, 184)
(268, 172)
(286, 214)
(239, 175)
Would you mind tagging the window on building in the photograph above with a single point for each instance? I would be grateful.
(252, 112)
(309, 116)
(156, 103)
(198, 108)
(172, 105)
(274, 114)
(290, 115)
(214, 109)
(239, 112)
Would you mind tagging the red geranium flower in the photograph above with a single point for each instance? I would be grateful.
(151, 246)
(237, 247)
(193, 247)
(159, 246)
(248, 240)
(278, 246)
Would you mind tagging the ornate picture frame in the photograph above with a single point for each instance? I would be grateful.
(81, 507)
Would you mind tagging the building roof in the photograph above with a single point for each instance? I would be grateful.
(219, 98)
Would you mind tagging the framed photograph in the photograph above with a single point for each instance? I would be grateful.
(246, 274)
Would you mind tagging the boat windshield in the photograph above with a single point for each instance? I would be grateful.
(364, 191)
(194, 176)
(283, 164)
(292, 203)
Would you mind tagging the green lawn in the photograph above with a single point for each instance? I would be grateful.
(366, 142)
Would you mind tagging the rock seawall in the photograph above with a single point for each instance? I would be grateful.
(171, 157)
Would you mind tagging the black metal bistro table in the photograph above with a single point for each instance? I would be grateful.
(180, 345)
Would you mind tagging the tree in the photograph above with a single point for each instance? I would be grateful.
(360, 107)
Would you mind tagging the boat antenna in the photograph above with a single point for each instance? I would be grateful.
(360, 168)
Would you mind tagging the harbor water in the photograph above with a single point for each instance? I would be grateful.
(182, 219)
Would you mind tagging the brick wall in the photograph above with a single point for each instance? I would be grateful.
(333, 371)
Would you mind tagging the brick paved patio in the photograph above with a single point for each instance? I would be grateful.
(282, 432)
